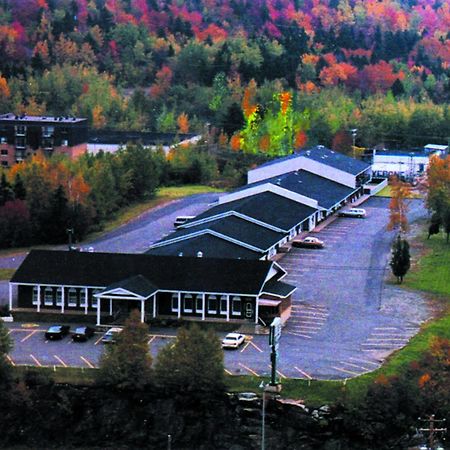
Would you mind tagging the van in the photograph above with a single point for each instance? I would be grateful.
(181, 220)
(353, 212)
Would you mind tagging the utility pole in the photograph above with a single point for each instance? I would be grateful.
(432, 430)
(69, 231)
(354, 131)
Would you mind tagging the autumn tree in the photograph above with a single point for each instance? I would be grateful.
(400, 259)
(398, 206)
(438, 191)
(127, 363)
(192, 364)
(183, 123)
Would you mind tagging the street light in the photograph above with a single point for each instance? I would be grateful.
(354, 131)
(263, 426)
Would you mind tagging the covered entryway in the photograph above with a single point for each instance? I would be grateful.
(119, 299)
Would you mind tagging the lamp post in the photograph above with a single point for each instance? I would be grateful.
(354, 132)
(263, 425)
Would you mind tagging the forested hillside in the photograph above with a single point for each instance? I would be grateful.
(380, 66)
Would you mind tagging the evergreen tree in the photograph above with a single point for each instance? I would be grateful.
(127, 363)
(6, 191)
(400, 261)
(194, 363)
(397, 88)
(56, 218)
(19, 188)
(5, 347)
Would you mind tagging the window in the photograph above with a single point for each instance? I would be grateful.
(3, 140)
(95, 299)
(47, 143)
(21, 129)
(5, 163)
(174, 302)
(199, 304)
(83, 299)
(20, 142)
(4, 152)
(188, 303)
(223, 304)
(48, 131)
(35, 295)
(59, 297)
(72, 297)
(236, 306)
(48, 296)
(212, 304)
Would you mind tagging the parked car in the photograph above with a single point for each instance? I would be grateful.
(110, 336)
(353, 212)
(247, 397)
(233, 340)
(308, 242)
(82, 334)
(57, 332)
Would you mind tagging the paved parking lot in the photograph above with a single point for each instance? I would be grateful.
(342, 325)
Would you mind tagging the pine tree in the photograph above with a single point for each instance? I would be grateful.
(19, 188)
(400, 261)
(5, 347)
(194, 363)
(6, 192)
(127, 363)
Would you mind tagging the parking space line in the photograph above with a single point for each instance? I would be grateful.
(345, 370)
(35, 360)
(29, 335)
(245, 346)
(299, 334)
(303, 373)
(386, 328)
(228, 372)
(365, 361)
(387, 339)
(250, 370)
(278, 372)
(311, 327)
(257, 348)
(10, 360)
(99, 340)
(315, 319)
(60, 360)
(151, 339)
(165, 336)
(346, 363)
(87, 362)
(314, 313)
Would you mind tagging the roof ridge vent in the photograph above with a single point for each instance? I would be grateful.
(199, 254)
(308, 152)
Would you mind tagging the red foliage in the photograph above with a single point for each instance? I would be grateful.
(162, 82)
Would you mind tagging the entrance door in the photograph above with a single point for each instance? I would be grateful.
(248, 310)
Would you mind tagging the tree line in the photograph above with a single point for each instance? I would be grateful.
(43, 197)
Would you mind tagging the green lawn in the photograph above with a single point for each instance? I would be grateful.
(6, 274)
(386, 192)
(432, 273)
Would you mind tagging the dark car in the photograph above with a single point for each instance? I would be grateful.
(82, 334)
(57, 332)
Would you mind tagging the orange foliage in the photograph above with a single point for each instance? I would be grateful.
(300, 139)
(98, 119)
(337, 73)
(235, 142)
(264, 143)
(162, 82)
(223, 139)
(309, 58)
(248, 101)
(183, 123)
(4, 88)
(307, 87)
(398, 206)
(424, 379)
(285, 101)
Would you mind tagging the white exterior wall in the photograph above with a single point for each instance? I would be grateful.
(402, 164)
(302, 162)
(269, 187)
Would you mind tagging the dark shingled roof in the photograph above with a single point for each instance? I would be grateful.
(211, 247)
(164, 272)
(329, 157)
(235, 228)
(278, 288)
(136, 284)
(266, 207)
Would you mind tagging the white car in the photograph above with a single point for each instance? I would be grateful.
(353, 212)
(111, 335)
(308, 242)
(233, 340)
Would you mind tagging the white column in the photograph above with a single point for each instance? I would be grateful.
(110, 306)
(86, 300)
(154, 305)
(203, 306)
(142, 310)
(10, 296)
(39, 298)
(98, 310)
(179, 304)
(256, 310)
(63, 299)
(228, 308)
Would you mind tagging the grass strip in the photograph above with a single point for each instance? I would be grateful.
(6, 274)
